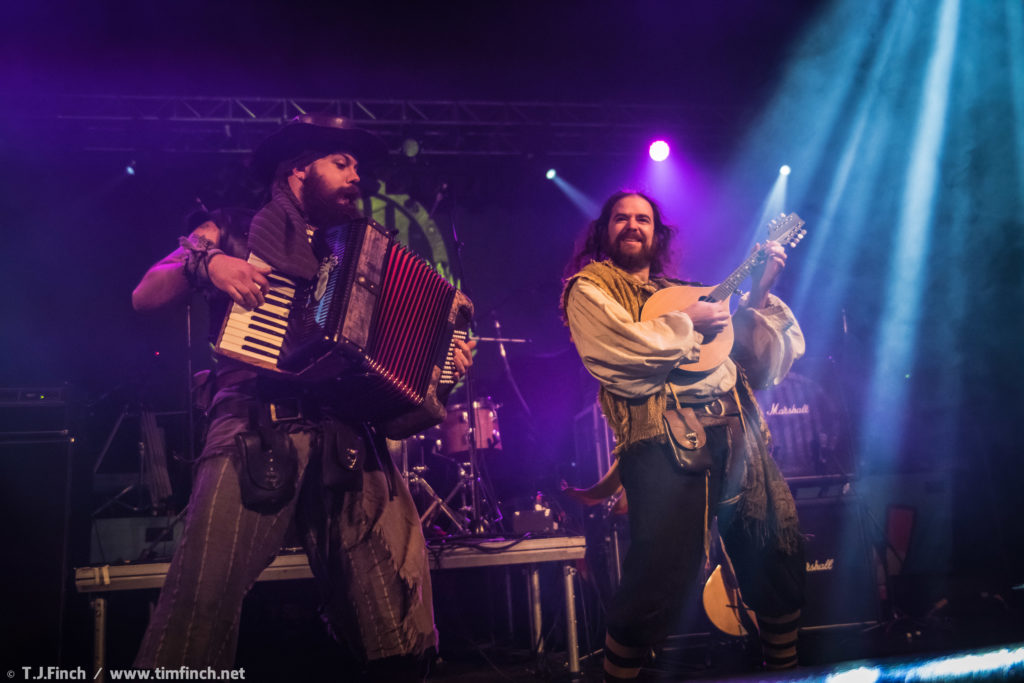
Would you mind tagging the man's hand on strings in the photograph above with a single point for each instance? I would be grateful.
(765, 275)
(709, 317)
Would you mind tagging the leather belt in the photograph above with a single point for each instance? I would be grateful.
(718, 407)
(278, 409)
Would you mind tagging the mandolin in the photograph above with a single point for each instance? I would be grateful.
(724, 604)
(786, 229)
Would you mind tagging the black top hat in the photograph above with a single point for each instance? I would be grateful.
(318, 133)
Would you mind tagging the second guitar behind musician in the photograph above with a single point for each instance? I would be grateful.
(674, 492)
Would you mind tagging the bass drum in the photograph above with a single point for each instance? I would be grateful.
(454, 431)
(808, 426)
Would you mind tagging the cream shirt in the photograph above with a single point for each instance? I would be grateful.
(636, 359)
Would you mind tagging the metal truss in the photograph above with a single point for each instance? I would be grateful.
(236, 124)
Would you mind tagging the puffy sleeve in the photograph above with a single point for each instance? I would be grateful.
(631, 359)
(768, 341)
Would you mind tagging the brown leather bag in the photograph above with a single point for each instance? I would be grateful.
(688, 440)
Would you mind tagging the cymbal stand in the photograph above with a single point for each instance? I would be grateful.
(414, 475)
(468, 472)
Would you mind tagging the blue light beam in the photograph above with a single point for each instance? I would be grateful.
(587, 206)
(899, 319)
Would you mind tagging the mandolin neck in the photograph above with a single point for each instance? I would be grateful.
(724, 290)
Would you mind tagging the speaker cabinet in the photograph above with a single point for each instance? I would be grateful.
(36, 476)
(841, 579)
(809, 429)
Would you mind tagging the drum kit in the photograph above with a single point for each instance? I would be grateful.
(457, 451)
(452, 454)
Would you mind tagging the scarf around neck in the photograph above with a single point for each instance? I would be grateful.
(277, 234)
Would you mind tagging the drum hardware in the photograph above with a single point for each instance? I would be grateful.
(482, 424)
(460, 518)
(471, 484)
(471, 431)
(457, 428)
(413, 474)
(470, 505)
(463, 522)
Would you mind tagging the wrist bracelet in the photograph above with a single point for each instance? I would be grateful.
(198, 252)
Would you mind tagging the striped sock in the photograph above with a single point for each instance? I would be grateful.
(778, 640)
(621, 662)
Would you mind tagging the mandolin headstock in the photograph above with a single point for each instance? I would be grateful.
(786, 229)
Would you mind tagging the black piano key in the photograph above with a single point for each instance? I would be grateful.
(262, 352)
(279, 332)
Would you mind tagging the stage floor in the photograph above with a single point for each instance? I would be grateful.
(485, 623)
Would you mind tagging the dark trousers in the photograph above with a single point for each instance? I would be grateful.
(666, 524)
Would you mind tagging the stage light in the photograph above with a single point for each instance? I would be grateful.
(659, 150)
(784, 170)
(550, 175)
(130, 168)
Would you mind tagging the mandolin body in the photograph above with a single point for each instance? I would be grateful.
(713, 350)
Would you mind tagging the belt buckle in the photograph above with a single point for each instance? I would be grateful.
(717, 402)
(288, 410)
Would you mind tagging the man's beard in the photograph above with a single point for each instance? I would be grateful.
(323, 208)
(633, 260)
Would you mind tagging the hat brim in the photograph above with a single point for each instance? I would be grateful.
(301, 137)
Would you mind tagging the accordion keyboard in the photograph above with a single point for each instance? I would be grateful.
(257, 336)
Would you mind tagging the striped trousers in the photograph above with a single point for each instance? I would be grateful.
(366, 550)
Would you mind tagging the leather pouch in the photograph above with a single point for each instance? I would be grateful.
(688, 440)
(269, 468)
(344, 456)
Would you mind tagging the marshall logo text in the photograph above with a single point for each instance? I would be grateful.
(776, 409)
(826, 566)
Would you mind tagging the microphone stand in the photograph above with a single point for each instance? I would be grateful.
(479, 522)
(189, 409)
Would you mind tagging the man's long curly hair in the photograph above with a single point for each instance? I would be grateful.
(593, 243)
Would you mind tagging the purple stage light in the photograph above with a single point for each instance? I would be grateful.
(659, 150)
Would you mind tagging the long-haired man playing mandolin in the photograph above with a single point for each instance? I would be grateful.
(690, 444)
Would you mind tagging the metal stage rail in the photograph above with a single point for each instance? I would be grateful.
(441, 127)
(532, 552)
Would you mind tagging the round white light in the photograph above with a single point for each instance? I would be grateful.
(659, 150)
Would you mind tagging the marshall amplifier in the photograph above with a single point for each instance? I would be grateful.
(809, 430)
(841, 580)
